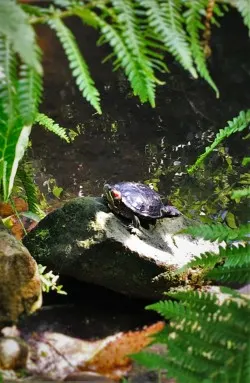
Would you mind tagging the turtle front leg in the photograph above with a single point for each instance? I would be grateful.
(135, 226)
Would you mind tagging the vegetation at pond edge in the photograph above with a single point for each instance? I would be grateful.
(139, 33)
(208, 338)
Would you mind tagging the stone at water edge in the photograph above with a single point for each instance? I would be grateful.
(20, 284)
(84, 240)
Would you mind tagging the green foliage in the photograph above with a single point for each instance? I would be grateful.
(193, 18)
(238, 124)
(208, 338)
(25, 175)
(29, 92)
(218, 232)
(15, 28)
(77, 63)
(8, 78)
(207, 341)
(49, 124)
(12, 135)
(167, 21)
(132, 50)
(243, 7)
(237, 194)
(49, 281)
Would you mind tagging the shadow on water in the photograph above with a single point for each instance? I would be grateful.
(130, 141)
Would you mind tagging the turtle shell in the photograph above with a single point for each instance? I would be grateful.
(141, 199)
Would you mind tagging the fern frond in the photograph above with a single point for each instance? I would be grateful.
(15, 27)
(193, 18)
(206, 261)
(77, 63)
(25, 175)
(49, 124)
(237, 255)
(197, 300)
(13, 143)
(218, 232)
(237, 273)
(240, 193)
(29, 90)
(165, 18)
(238, 124)
(8, 65)
(168, 309)
(243, 6)
(126, 34)
(129, 63)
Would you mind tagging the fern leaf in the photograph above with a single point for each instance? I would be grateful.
(218, 232)
(239, 274)
(24, 173)
(150, 360)
(13, 143)
(77, 63)
(205, 260)
(245, 367)
(197, 299)
(208, 348)
(29, 92)
(243, 6)
(169, 310)
(237, 256)
(8, 77)
(240, 193)
(238, 124)
(194, 24)
(144, 80)
(166, 20)
(15, 27)
(49, 124)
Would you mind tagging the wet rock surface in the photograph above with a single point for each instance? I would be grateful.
(84, 240)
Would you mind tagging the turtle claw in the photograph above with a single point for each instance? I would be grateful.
(134, 230)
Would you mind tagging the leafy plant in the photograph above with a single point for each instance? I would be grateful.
(49, 281)
(138, 32)
(238, 124)
(208, 338)
(207, 341)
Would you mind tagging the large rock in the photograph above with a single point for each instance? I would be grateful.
(20, 285)
(83, 239)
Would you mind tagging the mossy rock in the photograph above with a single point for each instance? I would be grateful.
(84, 240)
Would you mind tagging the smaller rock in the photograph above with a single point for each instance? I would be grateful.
(20, 284)
(13, 353)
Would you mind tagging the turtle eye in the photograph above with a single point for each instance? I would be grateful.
(116, 194)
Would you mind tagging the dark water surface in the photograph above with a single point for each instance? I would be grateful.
(130, 141)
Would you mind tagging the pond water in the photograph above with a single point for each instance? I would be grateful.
(131, 141)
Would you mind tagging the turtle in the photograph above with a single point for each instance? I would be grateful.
(136, 201)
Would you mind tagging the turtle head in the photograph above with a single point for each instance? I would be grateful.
(170, 211)
(112, 194)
